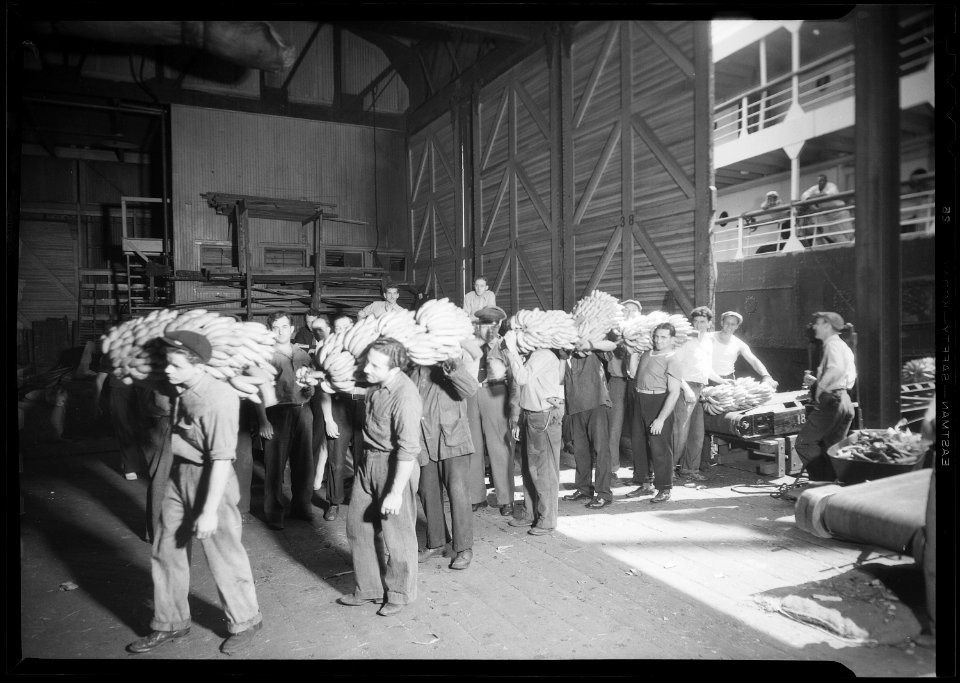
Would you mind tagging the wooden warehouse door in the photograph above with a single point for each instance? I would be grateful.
(437, 220)
(637, 175)
(515, 185)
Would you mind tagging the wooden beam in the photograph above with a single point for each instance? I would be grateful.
(703, 279)
(564, 84)
(595, 75)
(303, 53)
(486, 69)
(534, 198)
(628, 264)
(521, 31)
(26, 250)
(501, 113)
(424, 71)
(415, 188)
(532, 276)
(438, 153)
(423, 232)
(604, 262)
(663, 155)
(497, 202)
(502, 270)
(168, 93)
(608, 149)
(532, 108)
(668, 47)
(556, 177)
(663, 268)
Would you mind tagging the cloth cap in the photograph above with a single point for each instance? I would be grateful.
(734, 314)
(490, 314)
(186, 340)
(773, 193)
(836, 322)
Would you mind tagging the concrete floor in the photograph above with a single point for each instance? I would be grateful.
(696, 580)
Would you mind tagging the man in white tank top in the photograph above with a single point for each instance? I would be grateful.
(728, 348)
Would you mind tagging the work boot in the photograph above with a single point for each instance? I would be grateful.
(238, 642)
(155, 640)
(462, 560)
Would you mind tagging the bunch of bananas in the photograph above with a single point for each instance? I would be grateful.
(241, 351)
(743, 394)
(636, 332)
(442, 325)
(596, 314)
(339, 366)
(131, 348)
(918, 370)
(536, 329)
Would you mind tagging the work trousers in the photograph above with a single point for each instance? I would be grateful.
(540, 465)
(826, 425)
(591, 443)
(159, 459)
(397, 583)
(292, 441)
(348, 413)
(493, 431)
(126, 426)
(652, 452)
(477, 478)
(183, 502)
(619, 417)
(688, 430)
(454, 474)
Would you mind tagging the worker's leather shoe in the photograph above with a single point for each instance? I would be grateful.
(645, 490)
(425, 555)
(477, 506)
(506, 510)
(462, 560)
(520, 521)
(388, 609)
(237, 642)
(579, 495)
(661, 497)
(539, 531)
(155, 640)
(351, 600)
(331, 513)
(598, 503)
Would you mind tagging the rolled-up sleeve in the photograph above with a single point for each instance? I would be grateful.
(220, 428)
(407, 411)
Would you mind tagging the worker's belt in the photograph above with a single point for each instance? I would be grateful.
(493, 382)
(557, 403)
(650, 392)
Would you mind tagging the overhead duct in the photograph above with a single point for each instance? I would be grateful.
(250, 43)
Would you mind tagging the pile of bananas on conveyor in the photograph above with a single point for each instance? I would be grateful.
(596, 314)
(743, 394)
(241, 350)
(918, 370)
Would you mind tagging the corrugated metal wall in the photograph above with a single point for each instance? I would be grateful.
(267, 156)
(48, 267)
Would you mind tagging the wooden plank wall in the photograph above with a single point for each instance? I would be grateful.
(437, 237)
(587, 171)
(358, 168)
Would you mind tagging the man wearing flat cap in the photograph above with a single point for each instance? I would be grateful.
(200, 500)
(489, 413)
(833, 410)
